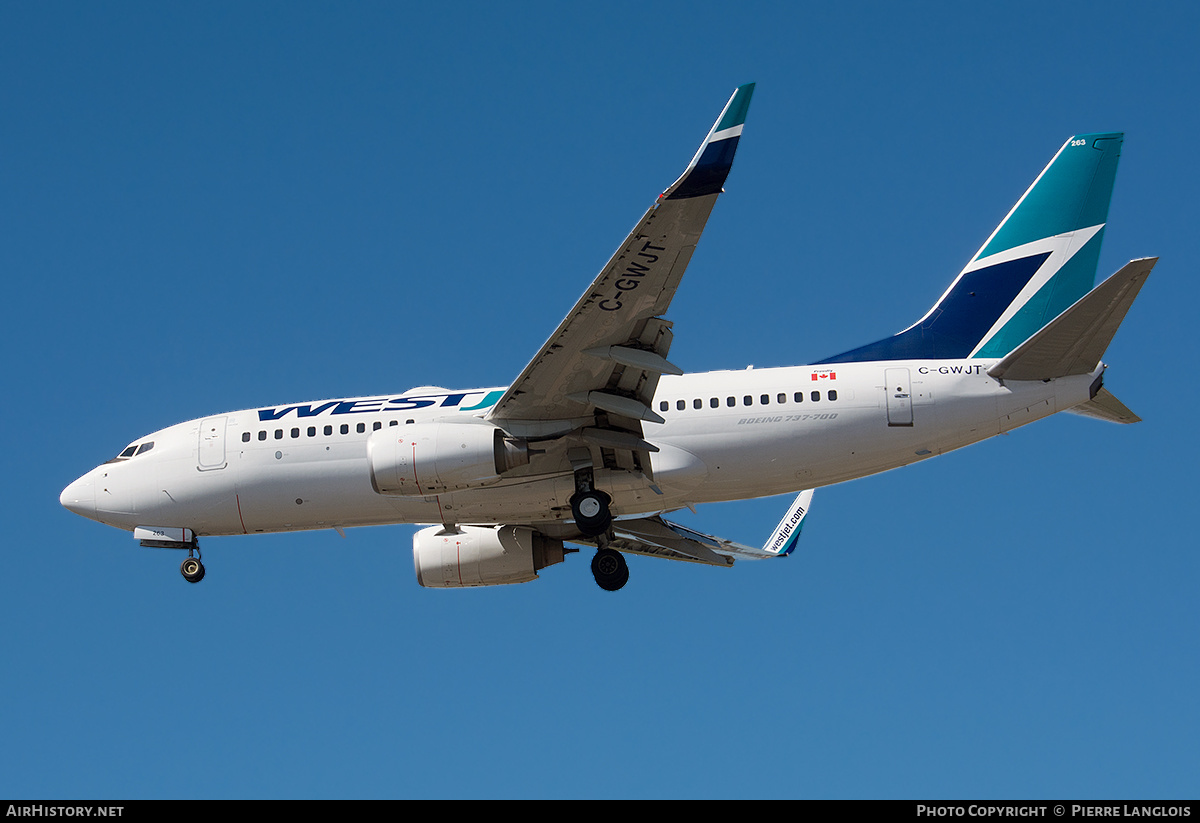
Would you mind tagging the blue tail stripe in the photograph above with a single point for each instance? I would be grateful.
(1072, 280)
(955, 327)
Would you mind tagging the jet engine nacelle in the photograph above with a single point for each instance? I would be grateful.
(481, 555)
(429, 458)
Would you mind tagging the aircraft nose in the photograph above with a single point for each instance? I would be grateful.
(80, 497)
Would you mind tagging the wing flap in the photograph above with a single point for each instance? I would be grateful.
(658, 537)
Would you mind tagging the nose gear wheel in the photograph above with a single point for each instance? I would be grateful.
(191, 568)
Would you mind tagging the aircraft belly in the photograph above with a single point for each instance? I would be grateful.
(548, 498)
(303, 488)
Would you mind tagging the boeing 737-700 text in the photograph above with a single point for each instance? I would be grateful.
(600, 435)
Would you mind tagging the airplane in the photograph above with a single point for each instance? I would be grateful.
(600, 435)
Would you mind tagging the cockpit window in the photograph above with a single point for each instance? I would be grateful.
(130, 451)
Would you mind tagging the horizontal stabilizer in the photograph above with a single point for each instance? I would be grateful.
(1104, 406)
(1074, 342)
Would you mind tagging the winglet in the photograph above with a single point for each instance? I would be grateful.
(707, 172)
(787, 533)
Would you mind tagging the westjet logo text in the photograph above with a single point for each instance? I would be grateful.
(479, 399)
(786, 531)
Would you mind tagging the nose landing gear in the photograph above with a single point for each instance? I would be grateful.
(191, 568)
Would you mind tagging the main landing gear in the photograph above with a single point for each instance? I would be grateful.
(191, 568)
(593, 517)
(590, 506)
(609, 569)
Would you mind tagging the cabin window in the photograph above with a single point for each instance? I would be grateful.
(279, 434)
(245, 437)
(781, 398)
(798, 397)
(361, 427)
(262, 435)
(730, 401)
(697, 403)
(833, 394)
(328, 430)
(312, 431)
(664, 405)
(393, 422)
(345, 428)
(816, 396)
(295, 433)
(765, 399)
(714, 402)
(680, 404)
(376, 426)
(747, 401)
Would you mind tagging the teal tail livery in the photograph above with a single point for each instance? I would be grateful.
(1037, 263)
(601, 437)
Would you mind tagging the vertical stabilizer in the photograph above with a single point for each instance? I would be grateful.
(1038, 262)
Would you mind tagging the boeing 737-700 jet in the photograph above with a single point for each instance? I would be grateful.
(601, 435)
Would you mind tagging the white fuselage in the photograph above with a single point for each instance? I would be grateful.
(728, 435)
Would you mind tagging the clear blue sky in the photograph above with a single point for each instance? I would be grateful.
(225, 206)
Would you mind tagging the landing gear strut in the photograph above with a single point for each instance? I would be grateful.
(609, 569)
(589, 506)
(191, 568)
(593, 518)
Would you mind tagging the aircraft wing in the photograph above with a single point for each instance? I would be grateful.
(606, 357)
(657, 537)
